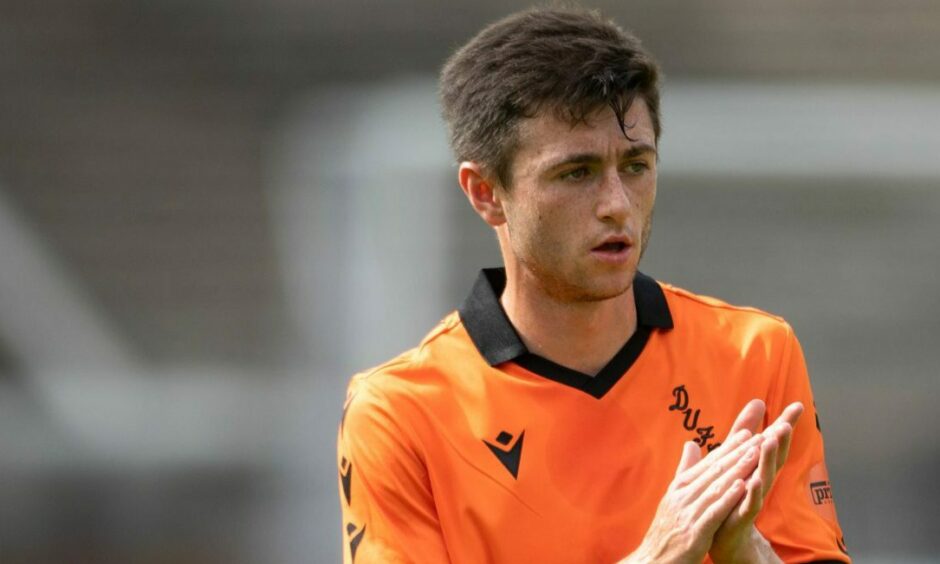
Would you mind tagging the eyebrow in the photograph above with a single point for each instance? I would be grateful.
(583, 158)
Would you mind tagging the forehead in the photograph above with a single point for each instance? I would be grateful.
(545, 138)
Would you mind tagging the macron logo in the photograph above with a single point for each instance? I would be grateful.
(508, 456)
(345, 474)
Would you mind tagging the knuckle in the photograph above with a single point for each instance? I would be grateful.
(673, 498)
(688, 531)
(688, 523)
(681, 498)
(707, 518)
(681, 481)
(714, 490)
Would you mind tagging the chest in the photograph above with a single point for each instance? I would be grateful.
(529, 468)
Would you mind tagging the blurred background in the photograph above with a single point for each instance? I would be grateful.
(213, 213)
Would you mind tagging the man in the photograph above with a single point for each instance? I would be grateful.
(572, 409)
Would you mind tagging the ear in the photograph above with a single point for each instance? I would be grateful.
(482, 193)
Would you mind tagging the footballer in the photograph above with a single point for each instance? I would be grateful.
(574, 409)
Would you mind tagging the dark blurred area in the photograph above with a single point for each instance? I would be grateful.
(213, 213)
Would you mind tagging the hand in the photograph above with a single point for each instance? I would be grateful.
(699, 499)
(737, 540)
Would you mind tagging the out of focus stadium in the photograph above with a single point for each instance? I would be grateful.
(213, 213)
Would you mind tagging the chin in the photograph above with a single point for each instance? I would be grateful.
(607, 293)
(606, 287)
(586, 283)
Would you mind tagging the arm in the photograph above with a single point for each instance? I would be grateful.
(784, 523)
(799, 517)
(388, 509)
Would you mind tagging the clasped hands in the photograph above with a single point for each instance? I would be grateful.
(711, 504)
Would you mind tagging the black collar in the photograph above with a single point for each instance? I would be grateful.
(498, 342)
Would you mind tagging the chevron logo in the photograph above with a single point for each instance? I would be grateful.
(508, 453)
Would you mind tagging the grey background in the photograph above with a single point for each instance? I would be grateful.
(213, 213)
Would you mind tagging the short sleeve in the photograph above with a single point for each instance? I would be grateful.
(387, 506)
(799, 515)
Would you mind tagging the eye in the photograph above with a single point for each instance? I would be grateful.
(580, 173)
(637, 167)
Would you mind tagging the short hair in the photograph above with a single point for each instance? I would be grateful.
(568, 61)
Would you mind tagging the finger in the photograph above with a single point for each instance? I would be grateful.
(715, 514)
(750, 417)
(783, 450)
(752, 502)
(790, 415)
(740, 470)
(782, 432)
(782, 428)
(690, 456)
(733, 442)
(737, 463)
(767, 466)
(717, 461)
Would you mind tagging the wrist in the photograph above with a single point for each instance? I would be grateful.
(648, 555)
(638, 556)
(753, 548)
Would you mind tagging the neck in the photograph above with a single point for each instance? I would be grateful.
(581, 335)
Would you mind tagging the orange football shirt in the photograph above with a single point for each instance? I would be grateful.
(470, 449)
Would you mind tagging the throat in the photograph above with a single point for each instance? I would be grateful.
(582, 336)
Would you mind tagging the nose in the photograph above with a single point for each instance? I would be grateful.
(613, 201)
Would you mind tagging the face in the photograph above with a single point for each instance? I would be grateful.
(579, 211)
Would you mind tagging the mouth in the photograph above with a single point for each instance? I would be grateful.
(612, 249)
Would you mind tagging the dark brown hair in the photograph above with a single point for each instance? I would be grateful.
(570, 62)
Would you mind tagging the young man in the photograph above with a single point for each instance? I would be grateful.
(571, 410)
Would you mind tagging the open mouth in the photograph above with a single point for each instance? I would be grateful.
(614, 247)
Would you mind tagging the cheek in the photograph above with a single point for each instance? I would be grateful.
(551, 225)
(556, 224)
(643, 200)
(538, 236)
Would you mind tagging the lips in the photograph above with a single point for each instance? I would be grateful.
(614, 244)
(613, 247)
(613, 250)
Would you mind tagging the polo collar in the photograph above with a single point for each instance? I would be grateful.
(497, 341)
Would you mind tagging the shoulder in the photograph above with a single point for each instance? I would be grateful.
(691, 306)
(403, 384)
(402, 371)
(394, 410)
(711, 318)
